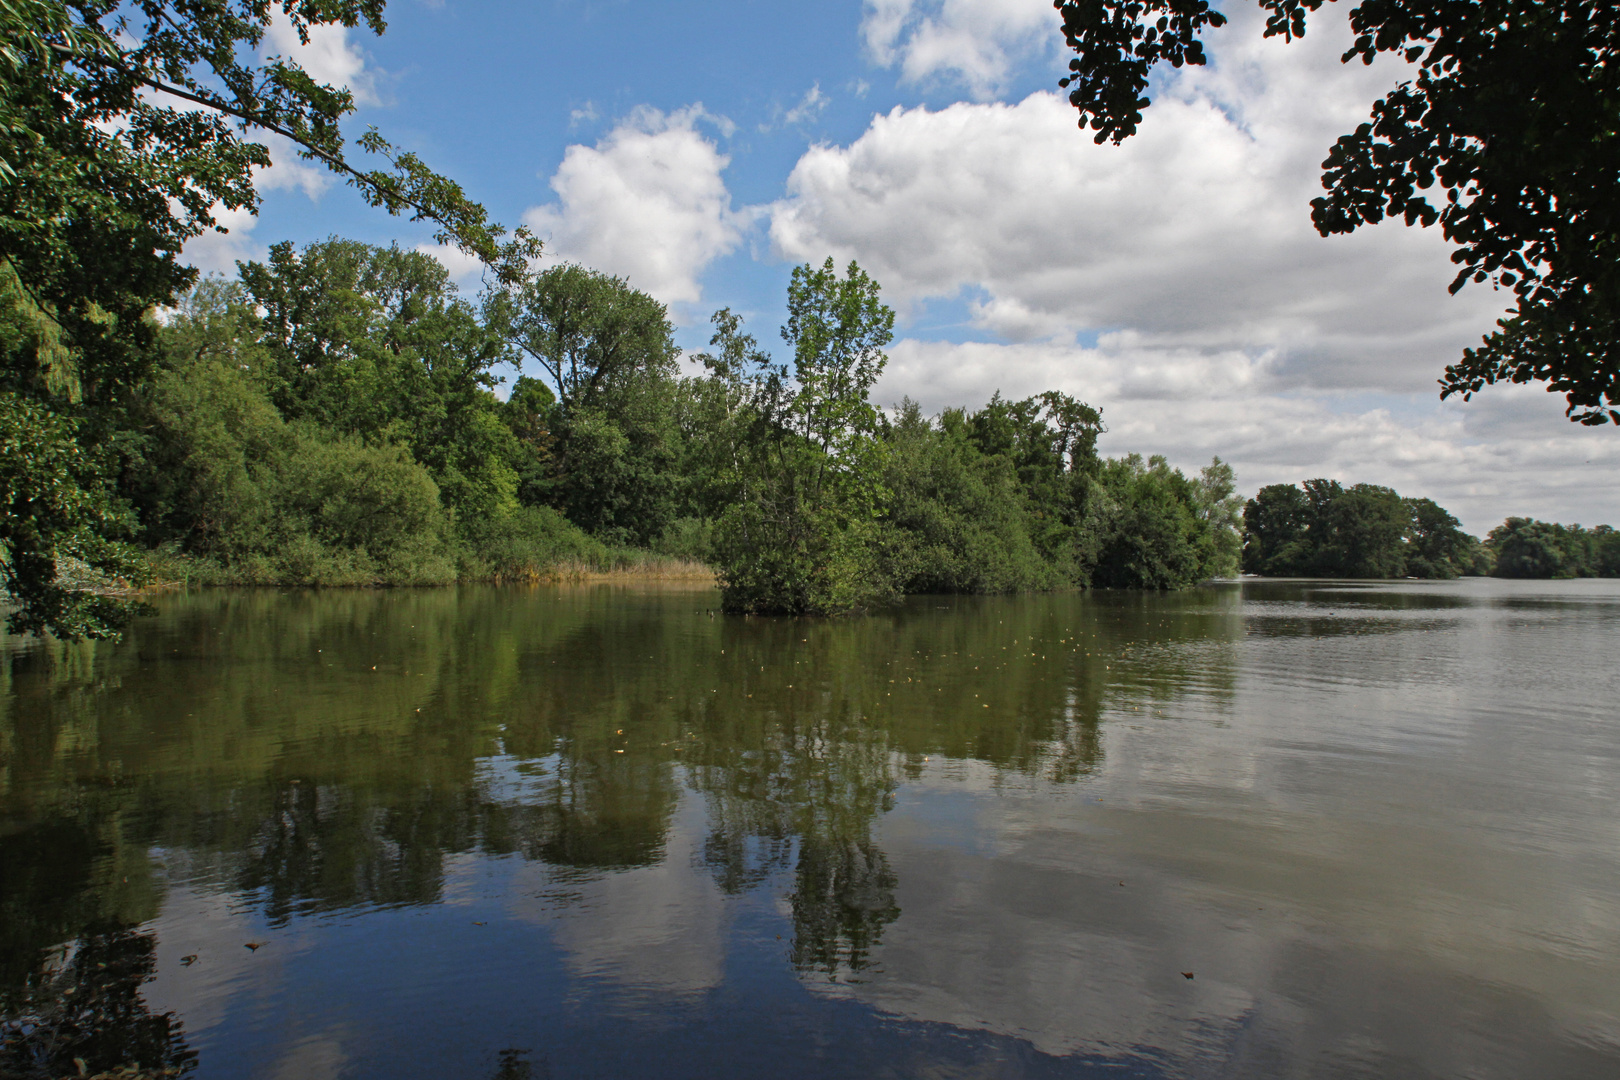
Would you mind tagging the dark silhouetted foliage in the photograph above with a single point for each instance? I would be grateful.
(1505, 138)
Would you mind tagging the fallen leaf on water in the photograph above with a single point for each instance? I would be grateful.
(255, 946)
(187, 961)
(1186, 974)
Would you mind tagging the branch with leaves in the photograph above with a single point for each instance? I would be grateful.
(103, 56)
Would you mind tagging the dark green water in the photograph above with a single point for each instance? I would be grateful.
(597, 832)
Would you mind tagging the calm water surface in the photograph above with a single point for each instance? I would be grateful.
(1276, 830)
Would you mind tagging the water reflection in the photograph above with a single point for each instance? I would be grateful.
(1019, 817)
(80, 1013)
(330, 750)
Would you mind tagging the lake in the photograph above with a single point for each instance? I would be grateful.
(1276, 829)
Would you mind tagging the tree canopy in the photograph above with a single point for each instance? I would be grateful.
(1505, 137)
(1526, 548)
(124, 129)
(801, 535)
(1322, 529)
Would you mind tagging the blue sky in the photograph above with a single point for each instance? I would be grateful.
(702, 150)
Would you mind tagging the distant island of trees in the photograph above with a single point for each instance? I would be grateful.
(1322, 529)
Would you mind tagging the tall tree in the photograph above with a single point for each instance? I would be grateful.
(1505, 138)
(802, 535)
(1275, 521)
(608, 353)
(1436, 546)
(1220, 508)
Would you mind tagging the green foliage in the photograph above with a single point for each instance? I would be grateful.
(1362, 532)
(272, 500)
(1148, 530)
(1050, 440)
(611, 441)
(1505, 137)
(1526, 548)
(1013, 497)
(823, 505)
(802, 535)
(528, 544)
(1365, 531)
(594, 336)
(529, 414)
(716, 414)
(53, 509)
(1220, 508)
(329, 419)
(958, 518)
(123, 130)
(330, 423)
(688, 538)
(1275, 523)
(1436, 546)
(373, 342)
(100, 112)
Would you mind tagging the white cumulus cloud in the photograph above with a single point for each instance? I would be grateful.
(978, 43)
(1176, 280)
(647, 202)
(1194, 233)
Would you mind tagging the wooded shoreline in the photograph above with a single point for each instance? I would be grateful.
(335, 417)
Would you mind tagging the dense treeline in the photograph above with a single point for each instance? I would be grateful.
(1322, 529)
(330, 417)
(126, 132)
(1526, 548)
(822, 502)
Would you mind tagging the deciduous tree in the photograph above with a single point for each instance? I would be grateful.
(802, 536)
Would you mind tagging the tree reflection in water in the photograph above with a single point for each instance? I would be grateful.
(843, 897)
(322, 752)
(81, 1013)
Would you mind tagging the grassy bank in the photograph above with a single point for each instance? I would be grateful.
(611, 564)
